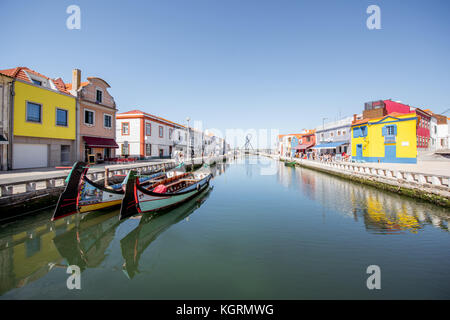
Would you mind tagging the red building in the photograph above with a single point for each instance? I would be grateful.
(382, 108)
(306, 141)
(423, 129)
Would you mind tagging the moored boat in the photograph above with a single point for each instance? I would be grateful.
(141, 199)
(82, 194)
(290, 164)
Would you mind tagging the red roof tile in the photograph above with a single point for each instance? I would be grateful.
(147, 114)
(19, 73)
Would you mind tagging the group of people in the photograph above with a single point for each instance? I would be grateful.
(324, 157)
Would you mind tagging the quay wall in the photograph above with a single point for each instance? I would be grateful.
(33, 193)
(428, 187)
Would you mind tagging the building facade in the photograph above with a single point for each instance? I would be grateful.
(43, 121)
(335, 137)
(391, 139)
(306, 142)
(97, 118)
(143, 135)
(6, 86)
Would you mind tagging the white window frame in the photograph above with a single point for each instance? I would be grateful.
(101, 90)
(84, 117)
(107, 115)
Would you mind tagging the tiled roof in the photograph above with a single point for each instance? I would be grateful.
(82, 84)
(19, 73)
(148, 115)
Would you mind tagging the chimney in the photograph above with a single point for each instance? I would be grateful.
(76, 80)
(354, 117)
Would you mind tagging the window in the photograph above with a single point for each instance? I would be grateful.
(125, 128)
(364, 131)
(390, 130)
(107, 121)
(89, 117)
(37, 82)
(343, 132)
(161, 131)
(148, 129)
(339, 133)
(148, 149)
(170, 133)
(34, 112)
(331, 134)
(61, 117)
(99, 96)
(125, 149)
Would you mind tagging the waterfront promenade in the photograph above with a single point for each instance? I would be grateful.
(426, 180)
(41, 187)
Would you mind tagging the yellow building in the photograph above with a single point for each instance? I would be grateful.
(44, 120)
(389, 139)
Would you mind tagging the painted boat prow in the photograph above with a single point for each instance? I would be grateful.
(128, 206)
(67, 202)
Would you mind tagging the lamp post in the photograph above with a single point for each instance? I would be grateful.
(188, 139)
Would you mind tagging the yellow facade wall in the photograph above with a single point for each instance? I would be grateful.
(374, 143)
(50, 100)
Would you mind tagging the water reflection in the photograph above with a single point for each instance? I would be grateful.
(149, 228)
(381, 212)
(27, 252)
(85, 244)
(31, 247)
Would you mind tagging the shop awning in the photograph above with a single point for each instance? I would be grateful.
(94, 142)
(330, 145)
(303, 147)
(3, 140)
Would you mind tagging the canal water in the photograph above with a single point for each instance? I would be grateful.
(265, 231)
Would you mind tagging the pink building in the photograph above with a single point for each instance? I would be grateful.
(97, 118)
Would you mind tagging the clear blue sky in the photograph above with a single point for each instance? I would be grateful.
(240, 63)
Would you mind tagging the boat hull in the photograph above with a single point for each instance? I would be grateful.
(148, 203)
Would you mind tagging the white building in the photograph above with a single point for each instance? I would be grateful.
(143, 135)
(439, 132)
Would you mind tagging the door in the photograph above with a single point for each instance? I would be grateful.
(359, 151)
(65, 155)
(161, 153)
(29, 155)
(390, 152)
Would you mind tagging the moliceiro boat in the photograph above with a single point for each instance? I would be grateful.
(166, 194)
(82, 194)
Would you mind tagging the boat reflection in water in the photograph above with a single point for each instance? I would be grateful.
(32, 247)
(380, 211)
(150, 227)
(85, 244)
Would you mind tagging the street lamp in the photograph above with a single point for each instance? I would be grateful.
(188, 138)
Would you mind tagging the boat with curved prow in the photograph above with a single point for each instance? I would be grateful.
(141, 199)
(82, 194)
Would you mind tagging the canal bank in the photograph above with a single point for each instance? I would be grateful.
(294, 234)
(22, 193)
(427, 187)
